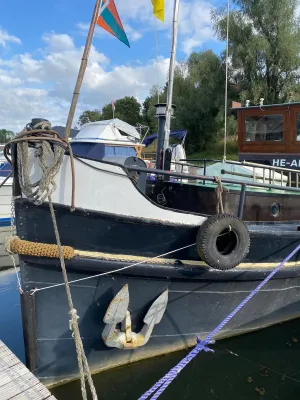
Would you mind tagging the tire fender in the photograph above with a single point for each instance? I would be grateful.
(223, 241)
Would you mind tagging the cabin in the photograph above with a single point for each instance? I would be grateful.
(269, 134)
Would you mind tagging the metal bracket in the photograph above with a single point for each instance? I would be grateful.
(117, 313)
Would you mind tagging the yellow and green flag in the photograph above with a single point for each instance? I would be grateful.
(159, 9)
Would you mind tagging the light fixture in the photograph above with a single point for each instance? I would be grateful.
(161, 109)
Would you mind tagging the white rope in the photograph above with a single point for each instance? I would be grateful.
(115, 270)
(226, 81)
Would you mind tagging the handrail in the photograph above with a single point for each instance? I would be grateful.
(270, 168)
(211, 179)
(250, 164)
(223, 171)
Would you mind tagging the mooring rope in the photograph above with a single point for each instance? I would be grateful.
(50, 159)
(158, 388)
(84, 369)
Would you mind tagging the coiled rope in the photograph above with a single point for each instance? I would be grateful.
(49, 151)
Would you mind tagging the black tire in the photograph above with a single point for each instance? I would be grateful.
(223, 241)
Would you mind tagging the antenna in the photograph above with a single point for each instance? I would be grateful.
(99, 7)
(247, 103)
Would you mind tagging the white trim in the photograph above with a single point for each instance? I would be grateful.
(108, 189)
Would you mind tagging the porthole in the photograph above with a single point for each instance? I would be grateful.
(275, 209)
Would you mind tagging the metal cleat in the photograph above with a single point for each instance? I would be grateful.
(117, 313)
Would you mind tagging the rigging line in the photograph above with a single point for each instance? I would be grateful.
(116, 270)
(283, 374)
(156, 55)
(226, 81)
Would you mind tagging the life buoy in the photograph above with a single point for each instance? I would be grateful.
(223, 241)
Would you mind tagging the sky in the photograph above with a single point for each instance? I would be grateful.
(41, 44)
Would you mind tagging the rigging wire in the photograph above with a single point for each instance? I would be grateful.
(226, 81)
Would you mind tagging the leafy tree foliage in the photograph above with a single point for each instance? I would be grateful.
(6, 135)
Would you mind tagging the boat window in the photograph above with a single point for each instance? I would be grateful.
(120, 151)
(267, 127)
(298, 127)
(100, 150)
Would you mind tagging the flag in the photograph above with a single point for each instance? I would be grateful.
(159, 9)
(113, 105)
(110, 21)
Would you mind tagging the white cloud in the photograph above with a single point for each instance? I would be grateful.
(133, 34)
(42, 84)
(6, 38)
(58, 42)
(22, 88)
(195, 25)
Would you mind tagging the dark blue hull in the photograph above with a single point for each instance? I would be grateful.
(199, 297)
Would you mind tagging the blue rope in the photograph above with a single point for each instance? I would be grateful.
(159, 387)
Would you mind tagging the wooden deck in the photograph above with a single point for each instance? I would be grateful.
(16, 381)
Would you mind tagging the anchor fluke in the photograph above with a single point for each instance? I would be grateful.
(117, 313)
(117, 308)
(156, 311)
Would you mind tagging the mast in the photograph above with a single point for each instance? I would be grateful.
(171, 74)
(99, 8)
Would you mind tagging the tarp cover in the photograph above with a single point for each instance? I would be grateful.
(112, 129)
(180, 135)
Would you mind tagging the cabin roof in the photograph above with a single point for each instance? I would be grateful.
(265, 106)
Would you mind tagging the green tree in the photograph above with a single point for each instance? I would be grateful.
(199, 86)
(6, 135)
(127, 109)
(89, 116)
(264, 48)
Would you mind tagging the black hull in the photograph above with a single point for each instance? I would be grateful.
(199, 297)
(203, 199)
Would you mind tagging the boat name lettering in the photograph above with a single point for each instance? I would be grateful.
(283, 162)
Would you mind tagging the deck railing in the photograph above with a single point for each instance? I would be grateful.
(268, 173)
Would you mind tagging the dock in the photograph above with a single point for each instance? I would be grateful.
(16, 381)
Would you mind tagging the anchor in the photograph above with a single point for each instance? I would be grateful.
(117, 313)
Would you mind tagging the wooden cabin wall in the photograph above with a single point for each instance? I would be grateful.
(289, 143)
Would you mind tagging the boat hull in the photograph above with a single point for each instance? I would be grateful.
(199, 299)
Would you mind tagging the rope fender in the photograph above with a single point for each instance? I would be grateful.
(18, 246)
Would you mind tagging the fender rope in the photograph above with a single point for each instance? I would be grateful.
(159, 387)
(219, 189)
